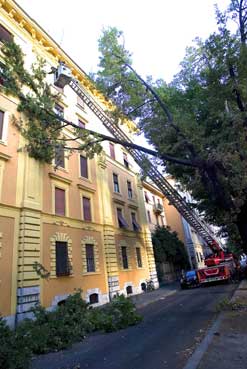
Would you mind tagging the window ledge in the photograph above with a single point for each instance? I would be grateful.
(90, 273)
(4, 156)
(84, 179)
(60, 178)
(85, 188)
(119, 201)
(133, 206)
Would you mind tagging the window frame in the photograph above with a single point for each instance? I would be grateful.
(112, 151)
(63, 186)
(139, 257)
(67, 271)
(56, 159)
(130, 190)
(124, 255)
(125, 160)
(90, 264)
(5, 124)
(64, 191)
(149, 217)
(9, 33)
(87, 166)
(121, 219)
(90, 207)
(116, 183)
(135, 225)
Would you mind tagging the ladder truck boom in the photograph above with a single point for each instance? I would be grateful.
(64, 77)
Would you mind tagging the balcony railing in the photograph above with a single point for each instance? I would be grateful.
(158, 208)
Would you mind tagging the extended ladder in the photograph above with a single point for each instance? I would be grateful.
(64, 77)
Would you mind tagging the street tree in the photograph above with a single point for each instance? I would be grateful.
(199, 118)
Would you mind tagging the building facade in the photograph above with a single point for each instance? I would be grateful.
(82, 221)
(160, 212)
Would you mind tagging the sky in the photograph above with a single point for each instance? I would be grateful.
(156, 32)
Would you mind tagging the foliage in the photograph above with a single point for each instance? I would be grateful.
(14, 351)
(204, 128)
(58, 329)
(168, 247)
(38, 122)
(120, 313)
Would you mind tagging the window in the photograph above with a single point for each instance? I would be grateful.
(81, 124)
(62, 259)
(93, 298)
(130, 192)
(115, 183)
(80, 102)
(59, 201)
(90, 258)
(158, 200)
(157, 220)
(59, 110)
(5, 35)
(124, 257)
(129, 290)
(59, 157)
(138, 257)
(135, 225)
(153, 199)
(83, 166)
(112, 150)
(125, 160)
(147, 199)
(86, 209)
(121, 221)
(149, 216)
(162, 221)
(1, 124)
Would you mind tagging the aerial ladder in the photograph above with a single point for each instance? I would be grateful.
(63, 76)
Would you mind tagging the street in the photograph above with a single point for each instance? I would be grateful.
(170, 331)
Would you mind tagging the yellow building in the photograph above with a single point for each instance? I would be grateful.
(83, 220)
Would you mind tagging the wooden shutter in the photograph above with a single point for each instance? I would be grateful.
(62, 259)
(5, 35)
(112, 150)
(1, 124)
(90, 258)
(59, 201)
(83, 166)
(86, 209)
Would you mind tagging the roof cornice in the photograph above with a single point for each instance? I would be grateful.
(46, 42)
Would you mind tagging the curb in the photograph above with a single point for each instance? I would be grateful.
(198, 354)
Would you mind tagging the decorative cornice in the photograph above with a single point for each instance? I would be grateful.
(60, 178)
(45, 42)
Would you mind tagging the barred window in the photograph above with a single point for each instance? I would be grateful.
(124, 257)
(90, 258)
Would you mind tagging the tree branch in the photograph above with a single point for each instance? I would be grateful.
(165, 157)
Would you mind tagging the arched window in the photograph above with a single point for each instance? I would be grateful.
(129, 290)
(94, 298)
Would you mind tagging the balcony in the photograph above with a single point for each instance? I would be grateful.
(158, 208)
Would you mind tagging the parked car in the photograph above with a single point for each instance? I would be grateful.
(189, 279)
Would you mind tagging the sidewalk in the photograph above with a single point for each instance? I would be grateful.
(164, 291)
(226, 343)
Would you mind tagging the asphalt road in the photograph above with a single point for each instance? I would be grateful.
(171, 329)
